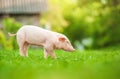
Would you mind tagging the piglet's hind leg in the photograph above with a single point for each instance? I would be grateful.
(21, 41)
(21, 50)
(26, 49)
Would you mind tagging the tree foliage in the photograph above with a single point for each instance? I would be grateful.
(90, 23)
(94, 19)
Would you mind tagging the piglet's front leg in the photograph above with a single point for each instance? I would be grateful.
(48, 49)
(52, 54)
(45, 54)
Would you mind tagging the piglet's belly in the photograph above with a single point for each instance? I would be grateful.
(35, 40)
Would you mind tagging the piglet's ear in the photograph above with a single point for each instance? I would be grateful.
(61, 39)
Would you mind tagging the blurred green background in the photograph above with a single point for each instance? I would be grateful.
(91, 25)
(88, 24)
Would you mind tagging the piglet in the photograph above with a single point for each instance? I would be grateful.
(34, 35)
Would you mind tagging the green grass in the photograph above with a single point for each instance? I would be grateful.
(91, 64)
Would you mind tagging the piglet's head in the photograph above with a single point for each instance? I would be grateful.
(64, 43)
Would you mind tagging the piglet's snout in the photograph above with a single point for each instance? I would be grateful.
(72, 50)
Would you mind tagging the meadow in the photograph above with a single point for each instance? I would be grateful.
(89, 64)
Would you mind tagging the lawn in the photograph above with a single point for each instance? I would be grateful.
(90, 64)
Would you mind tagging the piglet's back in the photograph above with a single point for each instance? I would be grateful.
(35, 34)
